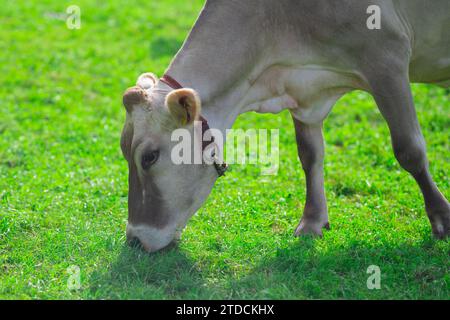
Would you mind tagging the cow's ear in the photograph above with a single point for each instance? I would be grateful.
(146, 81)
(184, 105)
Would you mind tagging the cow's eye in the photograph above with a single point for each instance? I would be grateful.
(148, 159)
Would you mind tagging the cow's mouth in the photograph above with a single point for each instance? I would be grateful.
(135, 243)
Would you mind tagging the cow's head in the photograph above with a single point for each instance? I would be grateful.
(162, 195)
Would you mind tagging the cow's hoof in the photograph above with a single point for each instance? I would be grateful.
(440, 221)
(312, 228)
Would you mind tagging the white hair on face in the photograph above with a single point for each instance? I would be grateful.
(152, 239)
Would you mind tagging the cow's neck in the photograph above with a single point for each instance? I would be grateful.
(218, 59)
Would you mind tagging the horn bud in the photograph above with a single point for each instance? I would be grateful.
(134, 96)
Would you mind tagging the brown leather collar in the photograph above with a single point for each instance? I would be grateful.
(221, 168)
(171, 82)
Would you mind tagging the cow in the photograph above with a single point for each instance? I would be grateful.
(268, 56)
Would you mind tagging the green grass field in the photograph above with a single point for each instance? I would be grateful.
(63, 180)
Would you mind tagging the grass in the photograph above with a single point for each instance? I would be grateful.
(63, 181)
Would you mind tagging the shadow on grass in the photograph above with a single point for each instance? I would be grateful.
(138, 275)
(301, 270)
(306, 270)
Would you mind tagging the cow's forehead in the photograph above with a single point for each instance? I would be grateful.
(147, 118)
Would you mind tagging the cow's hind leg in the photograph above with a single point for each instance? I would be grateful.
(311, 153)
(393, 95)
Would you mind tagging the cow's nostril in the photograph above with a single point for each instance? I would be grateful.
(147, 238)
(134, 242)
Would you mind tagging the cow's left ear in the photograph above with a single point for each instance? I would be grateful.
(146, 80)
(184, 105)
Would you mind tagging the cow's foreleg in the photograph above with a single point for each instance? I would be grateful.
(311, 153)
(394, 98)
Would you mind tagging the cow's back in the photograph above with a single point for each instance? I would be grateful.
(335, 33)
(430, 22)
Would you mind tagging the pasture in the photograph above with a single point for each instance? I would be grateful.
(63, 180)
